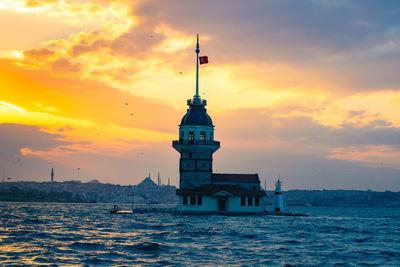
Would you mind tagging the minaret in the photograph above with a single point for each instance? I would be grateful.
(278, 199)
(52, 175)
(159, 181)
(196, 140)
(168, 181)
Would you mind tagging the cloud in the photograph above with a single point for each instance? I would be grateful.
(345, 39)
(28, 153)
(16, 136)
(14, 139)
(269, 46)
(315, 45)
(64, 65)
(270, 140)
(381, 156)
(302, 170)
(290, 85)
(83, 100)
(39, 54)
(257, 126)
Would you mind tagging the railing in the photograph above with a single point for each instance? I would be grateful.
(197, 101)
(195, 142)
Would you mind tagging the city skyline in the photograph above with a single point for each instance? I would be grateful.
(96, 89)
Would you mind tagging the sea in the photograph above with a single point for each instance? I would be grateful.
(61, 234)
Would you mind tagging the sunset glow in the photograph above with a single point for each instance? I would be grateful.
(106, 83)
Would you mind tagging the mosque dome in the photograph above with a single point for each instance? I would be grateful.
(196, 115)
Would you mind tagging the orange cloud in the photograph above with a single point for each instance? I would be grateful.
(64, 65)
(95, 118)
(40, 54)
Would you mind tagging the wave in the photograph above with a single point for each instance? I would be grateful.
(87, 245)
(87, 235)
(145, 247)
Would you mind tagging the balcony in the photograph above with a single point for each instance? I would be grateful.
(195, 142)
(197, 101)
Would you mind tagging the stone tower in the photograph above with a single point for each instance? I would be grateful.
(196, 141)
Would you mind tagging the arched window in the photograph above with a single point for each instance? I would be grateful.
(202, 136)
(191, 137)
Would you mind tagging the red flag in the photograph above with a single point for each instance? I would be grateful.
(203, 60)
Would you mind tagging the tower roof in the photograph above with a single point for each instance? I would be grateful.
(235, 190)
(196, 115)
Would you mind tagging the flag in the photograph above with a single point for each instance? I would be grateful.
(203, 60)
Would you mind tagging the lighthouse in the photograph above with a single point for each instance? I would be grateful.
(278, 199)
(200, 190)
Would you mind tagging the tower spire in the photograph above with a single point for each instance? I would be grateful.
(197, 67)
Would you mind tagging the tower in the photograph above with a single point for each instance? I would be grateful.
(52, 175)
(196, 143)
(159, 180)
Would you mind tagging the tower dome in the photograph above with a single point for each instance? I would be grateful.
(196, 115)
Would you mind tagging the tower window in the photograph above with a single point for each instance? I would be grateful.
(257, 202)
(202, 136)
(181, 138)
(210, 136)
(192, 200)
(185, 200)
(249, 201)
(242, 201)
(199, 200)
(191, 136)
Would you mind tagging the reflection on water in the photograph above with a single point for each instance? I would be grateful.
(86, 234)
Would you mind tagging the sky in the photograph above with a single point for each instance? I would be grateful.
(305, 90)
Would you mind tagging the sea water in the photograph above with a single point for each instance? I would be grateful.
(87, 234)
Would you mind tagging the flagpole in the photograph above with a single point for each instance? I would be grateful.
(197, 68)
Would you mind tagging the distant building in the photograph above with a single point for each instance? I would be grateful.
(147, 185)
(201, 190)
(52, 175)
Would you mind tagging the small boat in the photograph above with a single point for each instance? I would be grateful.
(115, 209)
